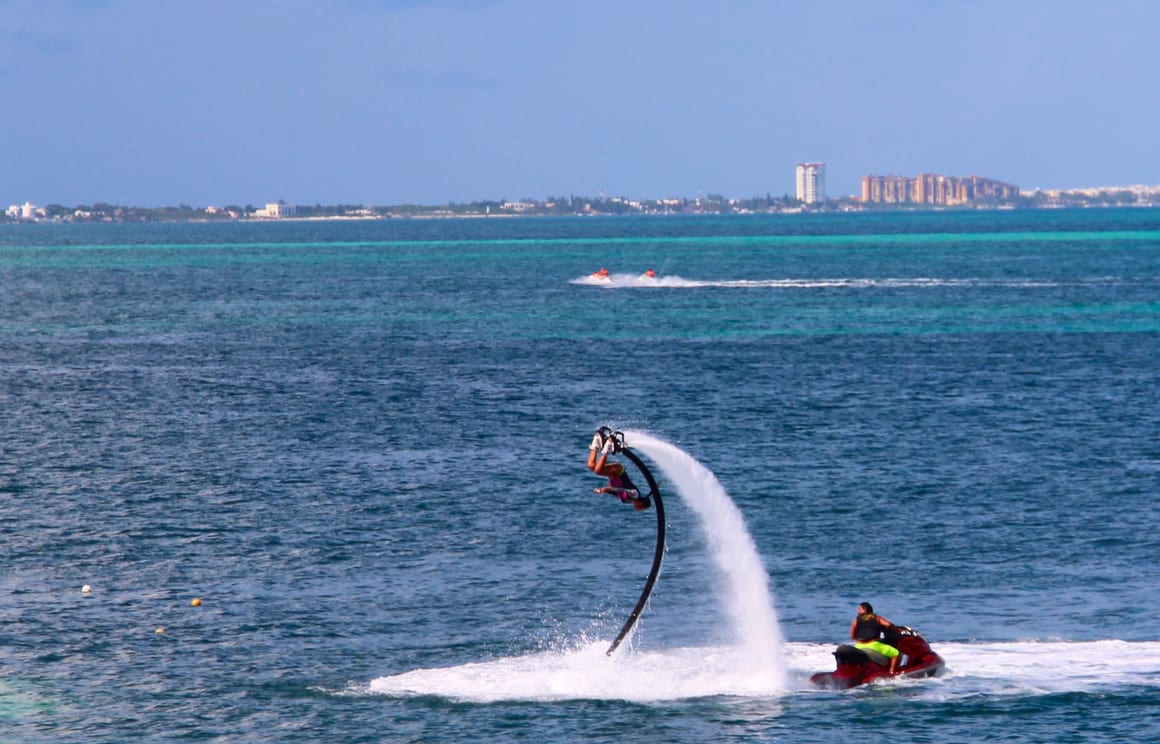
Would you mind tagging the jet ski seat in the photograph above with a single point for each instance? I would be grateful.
(851, 655)
(877, 658)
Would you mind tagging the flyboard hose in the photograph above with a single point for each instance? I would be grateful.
(658, 556)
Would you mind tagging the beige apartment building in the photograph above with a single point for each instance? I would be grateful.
(931, 188)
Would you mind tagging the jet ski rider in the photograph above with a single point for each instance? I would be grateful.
(866, 630)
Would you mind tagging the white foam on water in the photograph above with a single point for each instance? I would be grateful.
(586, 674)
(1047, 667)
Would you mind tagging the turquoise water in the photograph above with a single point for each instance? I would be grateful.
(361, 445)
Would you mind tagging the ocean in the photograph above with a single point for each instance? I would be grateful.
(360, 446)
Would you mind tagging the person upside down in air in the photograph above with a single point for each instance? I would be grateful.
(619, 484)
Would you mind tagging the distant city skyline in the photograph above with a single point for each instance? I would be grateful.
(438, 101)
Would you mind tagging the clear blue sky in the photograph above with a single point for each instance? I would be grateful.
(214, 102)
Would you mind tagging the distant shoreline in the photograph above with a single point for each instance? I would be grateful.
(166, 215)
(573, 206)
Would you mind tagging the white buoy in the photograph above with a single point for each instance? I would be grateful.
(86, 589)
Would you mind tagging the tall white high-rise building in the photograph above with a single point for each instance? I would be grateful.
(811, 182)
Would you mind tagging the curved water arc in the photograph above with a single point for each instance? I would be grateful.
(748, 597)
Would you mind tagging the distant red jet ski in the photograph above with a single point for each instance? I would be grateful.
(857, 666)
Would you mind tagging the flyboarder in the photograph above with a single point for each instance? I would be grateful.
(619, 484)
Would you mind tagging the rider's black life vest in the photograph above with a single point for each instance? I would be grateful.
(867, 628)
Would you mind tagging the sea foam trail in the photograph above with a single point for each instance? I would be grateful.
(747, 595)
(1026, 669)
(634, 281)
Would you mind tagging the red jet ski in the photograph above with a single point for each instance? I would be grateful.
(858, 666)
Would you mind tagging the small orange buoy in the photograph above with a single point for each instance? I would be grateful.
(195, 602)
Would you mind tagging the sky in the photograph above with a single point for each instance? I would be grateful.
(387, 102)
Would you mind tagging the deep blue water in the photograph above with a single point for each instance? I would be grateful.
(362, 446)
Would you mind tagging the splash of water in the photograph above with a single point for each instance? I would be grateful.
(749, 600)
(754, 667)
